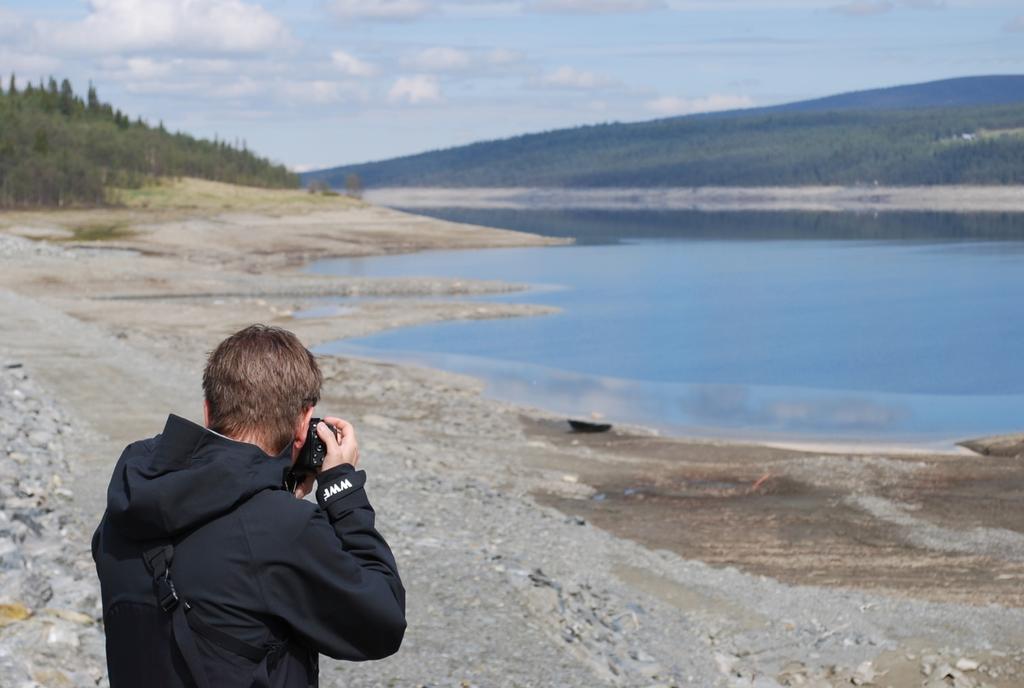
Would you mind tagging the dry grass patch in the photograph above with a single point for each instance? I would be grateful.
(98, 231)
(201, 194)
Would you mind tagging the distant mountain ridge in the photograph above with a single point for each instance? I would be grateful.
(961, 130)
(965, 91)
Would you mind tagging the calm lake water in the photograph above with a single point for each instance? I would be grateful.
(742, 324)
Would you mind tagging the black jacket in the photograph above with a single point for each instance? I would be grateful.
(251, 560)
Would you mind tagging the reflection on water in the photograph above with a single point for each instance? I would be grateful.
(742, 411)
(859, 339)
(794, 409)
(602, 227)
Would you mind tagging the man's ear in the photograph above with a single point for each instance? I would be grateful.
(206, 413)
(300, 428)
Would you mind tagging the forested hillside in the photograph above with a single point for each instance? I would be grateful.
(59, 149)
(852, 144)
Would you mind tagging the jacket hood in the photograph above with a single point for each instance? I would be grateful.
(186, 476)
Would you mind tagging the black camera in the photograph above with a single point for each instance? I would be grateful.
(311, 458)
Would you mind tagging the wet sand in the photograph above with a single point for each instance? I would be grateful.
(940, 527)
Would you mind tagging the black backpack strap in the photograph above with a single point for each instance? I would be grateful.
(158, 561)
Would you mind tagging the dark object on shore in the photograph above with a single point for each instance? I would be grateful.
(587, 426)
(12, 366)
(997, 445)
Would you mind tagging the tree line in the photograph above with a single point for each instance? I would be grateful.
(59, 149)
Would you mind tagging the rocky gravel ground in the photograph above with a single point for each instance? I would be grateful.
(50, 629)
(20, 247)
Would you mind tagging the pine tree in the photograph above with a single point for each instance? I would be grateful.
(67, 98)
(12, 88)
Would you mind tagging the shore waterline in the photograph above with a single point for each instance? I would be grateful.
(864, 341)
(958, 198)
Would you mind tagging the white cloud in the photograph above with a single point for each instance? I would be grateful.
(407, 10)
(240, 88)
(201, 87)
(485, 9)
(466, 63)
(28, 66)
(439, 59)
(595, 6)
(1015, 24)
(316, 91)
(735, 5)
(504, 56)
(867, 8)
(146, 68)
(572, 78)
(421, 88)
(249, 89)
(125, 26)
(381, 10)
(235, 89)
(352, 65)
(473, 63)
(216, 78)
(671, 105)
(864, 8)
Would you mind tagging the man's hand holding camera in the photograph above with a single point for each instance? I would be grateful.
(340, 445)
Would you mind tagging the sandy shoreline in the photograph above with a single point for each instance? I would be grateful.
(945, 199)
(532, 556)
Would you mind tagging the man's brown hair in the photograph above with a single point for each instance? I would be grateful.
(258, 382)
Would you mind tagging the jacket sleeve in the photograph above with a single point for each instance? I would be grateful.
(331, 576)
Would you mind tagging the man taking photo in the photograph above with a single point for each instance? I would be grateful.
(213, 573)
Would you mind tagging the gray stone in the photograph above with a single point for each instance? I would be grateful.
(39, 438)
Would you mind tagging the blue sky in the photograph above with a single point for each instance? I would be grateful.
(321, 83)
